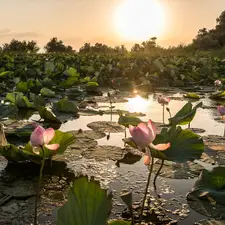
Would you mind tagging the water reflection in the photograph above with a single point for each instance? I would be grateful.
(139, 104)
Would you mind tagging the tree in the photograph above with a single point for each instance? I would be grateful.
(20, 46)
(55, 45)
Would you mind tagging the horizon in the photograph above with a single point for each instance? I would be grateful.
(108, 22)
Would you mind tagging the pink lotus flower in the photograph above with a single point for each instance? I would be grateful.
(217, 83)
(163, 100)
(143, 135)
(41, 138)
(221, 110)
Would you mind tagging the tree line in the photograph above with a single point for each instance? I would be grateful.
(206, 39)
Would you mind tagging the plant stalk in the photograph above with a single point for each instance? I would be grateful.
(189, 125)
(157, 174)
(132, 216)
(163, 114)
(146, 190)
(224, 132)
(38, 189)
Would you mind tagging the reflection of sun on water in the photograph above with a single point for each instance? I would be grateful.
(138, 104)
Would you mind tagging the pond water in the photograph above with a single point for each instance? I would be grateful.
(133, 177)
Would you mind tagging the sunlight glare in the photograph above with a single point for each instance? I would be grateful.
(139, 19)
(138, 104)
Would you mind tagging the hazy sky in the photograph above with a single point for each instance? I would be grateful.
(80, 21)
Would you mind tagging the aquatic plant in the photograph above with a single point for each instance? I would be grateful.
(143, 136)
(88, 204)
(40, 139)
(163, 101)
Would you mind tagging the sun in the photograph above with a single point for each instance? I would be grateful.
(139, 20)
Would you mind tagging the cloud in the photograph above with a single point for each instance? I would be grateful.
(12, 34)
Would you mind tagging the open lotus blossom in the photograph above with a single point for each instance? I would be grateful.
(217, 83)
(221, 110)
(163, 100)
(41, 138)
(143, 135)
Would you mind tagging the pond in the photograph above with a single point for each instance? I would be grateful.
(132, 176)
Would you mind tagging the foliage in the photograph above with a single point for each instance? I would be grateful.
(185, 115)
(66, 106)
(192, 95)
(211, 185)
(87, 204)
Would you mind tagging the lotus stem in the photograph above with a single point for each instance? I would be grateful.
(163, 114)
(132, 216)
(157, 174)
(38, 189)
(189, 125)
(146, 190)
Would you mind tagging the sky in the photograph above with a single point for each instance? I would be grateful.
(79, 21)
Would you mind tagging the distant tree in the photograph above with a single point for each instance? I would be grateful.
(20, 46)
(55, 45)
(137, 48)
(120, 49)
(86, 48)
(97, 48)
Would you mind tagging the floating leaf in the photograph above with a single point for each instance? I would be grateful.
(192, 95)
(185, 115)
(87, 204)
(47, 115)
(45, 92)
(185, 145)
(22, 87)
(66, 106)
(218, 95)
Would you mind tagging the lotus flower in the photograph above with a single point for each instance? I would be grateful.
(217, 83)
(143, 135)
(163, 100)
(221, 110)
(41, 138)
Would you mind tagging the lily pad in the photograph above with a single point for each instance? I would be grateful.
(192, 95)
(185, 115)
(218, 95)
(185, 145)
(106, 127)
(214, 142)
(210, 222)
(129, 120)
(88, 134)
(45, 92)
(197, 130)
(65, 106)
(103, 152)
(47, 115)
(208, 194)
(21, 189)
(87, 204)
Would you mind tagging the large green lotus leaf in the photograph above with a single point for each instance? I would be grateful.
(49, 67)
(22, 87)
(92, 84)
(185, 144)
(129, 120)
(45, 92)
(185, 115)
(218, 95)
(87, 204)
(192, 95)
(72, 72)
(7, 110)
(6, 73)
(38, 100)
(66, 106)
(70, 82)
(12, 153)
(120, 222)
(34, 86)
(47, 115)
(211, 184)
(19, 100)
(24, 103)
